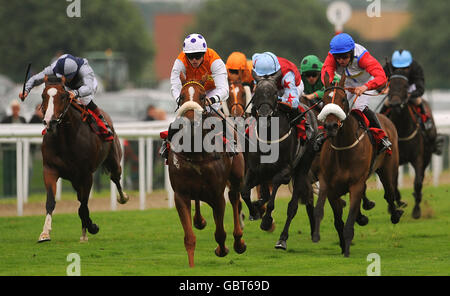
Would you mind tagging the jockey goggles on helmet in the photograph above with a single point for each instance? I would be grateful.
(195, 55)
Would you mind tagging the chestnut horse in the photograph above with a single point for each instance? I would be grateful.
(347, 159)
(413, 146)
(72, 151)
(202, 175)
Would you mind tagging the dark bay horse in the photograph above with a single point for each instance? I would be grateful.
(413, 146)
(347, 159)
(293, 160)
(72, 151)
(202, 175)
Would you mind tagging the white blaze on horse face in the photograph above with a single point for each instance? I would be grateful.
(49, 113)
(191, 91)
(236, 91)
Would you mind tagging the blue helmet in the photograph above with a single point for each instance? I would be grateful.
(265, 63)
(341, 43)
(401, 59)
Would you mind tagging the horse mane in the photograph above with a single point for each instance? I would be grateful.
(53, 79)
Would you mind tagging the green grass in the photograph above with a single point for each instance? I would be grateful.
(150, 242)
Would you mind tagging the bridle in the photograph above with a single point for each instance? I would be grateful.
(399, 76)
(235, 102)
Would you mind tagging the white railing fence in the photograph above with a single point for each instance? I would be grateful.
(144, 132)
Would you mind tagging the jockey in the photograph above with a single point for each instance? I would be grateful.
(414, 72)
(239, 69)
(403, 59)
(290, 81)
(363, 71)
(194, 62)
(80, 81)
(310, 68)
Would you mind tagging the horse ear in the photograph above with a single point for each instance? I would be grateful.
(256, 76)
(182, 78)
(63, 79)
(326, 80)
(343, 78)
(276, 76)
(45, 78)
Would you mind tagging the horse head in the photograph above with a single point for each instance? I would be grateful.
(237, 100)
(265, 99)
(54, 101)
(336, 106)
(398, 89)
(192, 97)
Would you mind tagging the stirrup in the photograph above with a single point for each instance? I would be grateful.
(164, 150)
(386, 145)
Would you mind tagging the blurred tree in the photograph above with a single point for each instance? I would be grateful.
(290, 28)
(428, 39)
(33, 31)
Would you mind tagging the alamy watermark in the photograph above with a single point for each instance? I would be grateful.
(374, 8)
(74, 268)
(74, 8)
(215, 135)
(374, 268)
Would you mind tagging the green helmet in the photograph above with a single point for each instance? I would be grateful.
(310, 63)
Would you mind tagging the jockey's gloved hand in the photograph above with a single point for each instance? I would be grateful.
(212, 100)
(73, 94)
(22, 96)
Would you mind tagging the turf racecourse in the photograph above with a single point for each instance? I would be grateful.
(150, 242)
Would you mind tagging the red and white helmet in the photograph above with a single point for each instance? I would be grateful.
(194, 43)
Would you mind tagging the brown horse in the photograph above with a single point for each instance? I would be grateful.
(202, 175)
(347, 159)
(237, 99)
(72, 151)
(413, 145)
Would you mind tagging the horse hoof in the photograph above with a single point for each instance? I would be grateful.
(267, 224)
(123, 199)
(200, 225)
(44, 237)
(84, 239)
(93, 229)
(254, 217)
(221, 253)
(240, 247)
(281, 245)
(416, 212)
(315, 237)
(395, 218)
(362, 220)
(368, 205)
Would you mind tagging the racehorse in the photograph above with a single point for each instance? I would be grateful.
(72, 151)
(203, 175)
(347, 160)
(293, 162)
(413, 146)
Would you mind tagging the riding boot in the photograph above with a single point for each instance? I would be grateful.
(428, 124)
(320, 139)
(108, 128)
(374, 122)
(94, 108)
(164, 149)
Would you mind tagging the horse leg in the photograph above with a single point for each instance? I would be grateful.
(83, 189)
(419, 170)
(336, 206)
(220, 234)
(267, 220)
(356, 193)
(388, 178)
(239, 244)
(245, 193)
(199, 221)
(183, 206)
(301, 186)
(318, 211)
(50, 179)
(112, 164)
(367, 204)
